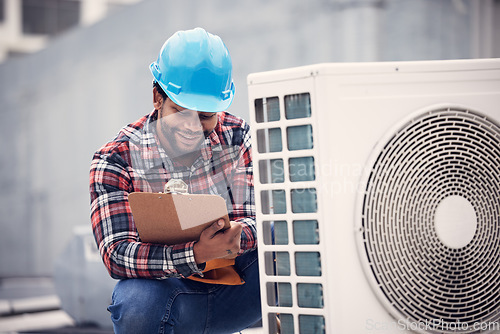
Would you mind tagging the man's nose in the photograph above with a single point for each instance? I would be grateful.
(193, 122)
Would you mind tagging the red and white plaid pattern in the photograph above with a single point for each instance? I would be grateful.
(134, 161)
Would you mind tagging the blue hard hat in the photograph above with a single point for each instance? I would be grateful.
(194, 69)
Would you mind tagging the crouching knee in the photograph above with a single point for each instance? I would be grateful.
(137, 307)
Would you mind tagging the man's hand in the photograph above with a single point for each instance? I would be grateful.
(215, 244)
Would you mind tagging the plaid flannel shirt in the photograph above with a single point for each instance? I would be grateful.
(134, 161)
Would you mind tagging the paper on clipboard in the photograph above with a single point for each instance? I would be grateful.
(173, 218)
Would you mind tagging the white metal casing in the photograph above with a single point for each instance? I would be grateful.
(356, 108)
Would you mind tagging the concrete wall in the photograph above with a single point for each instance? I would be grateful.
(60, 104)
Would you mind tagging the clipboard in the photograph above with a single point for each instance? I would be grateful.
(175, 218)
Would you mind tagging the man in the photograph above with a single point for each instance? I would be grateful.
(190, 137)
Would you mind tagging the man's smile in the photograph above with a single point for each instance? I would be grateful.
(190, 135)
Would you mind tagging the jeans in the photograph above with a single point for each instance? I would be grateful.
(184, 306)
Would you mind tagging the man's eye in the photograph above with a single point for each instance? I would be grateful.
(183, 112)
(205, 117)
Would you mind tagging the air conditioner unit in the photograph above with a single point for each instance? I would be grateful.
(377, 189)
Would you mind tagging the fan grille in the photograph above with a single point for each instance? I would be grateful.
(439, 154)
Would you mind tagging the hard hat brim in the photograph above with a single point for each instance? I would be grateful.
(198, 102)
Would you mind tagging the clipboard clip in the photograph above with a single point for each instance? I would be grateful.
(175, 186)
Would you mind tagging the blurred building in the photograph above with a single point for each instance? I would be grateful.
(26, 25)
(61, 103)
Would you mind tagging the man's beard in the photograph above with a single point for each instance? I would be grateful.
(182, 142)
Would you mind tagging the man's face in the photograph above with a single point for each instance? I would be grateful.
(183, 130)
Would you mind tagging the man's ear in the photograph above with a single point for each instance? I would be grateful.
(157, 99)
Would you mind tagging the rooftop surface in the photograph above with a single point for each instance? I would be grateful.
(31, 305)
